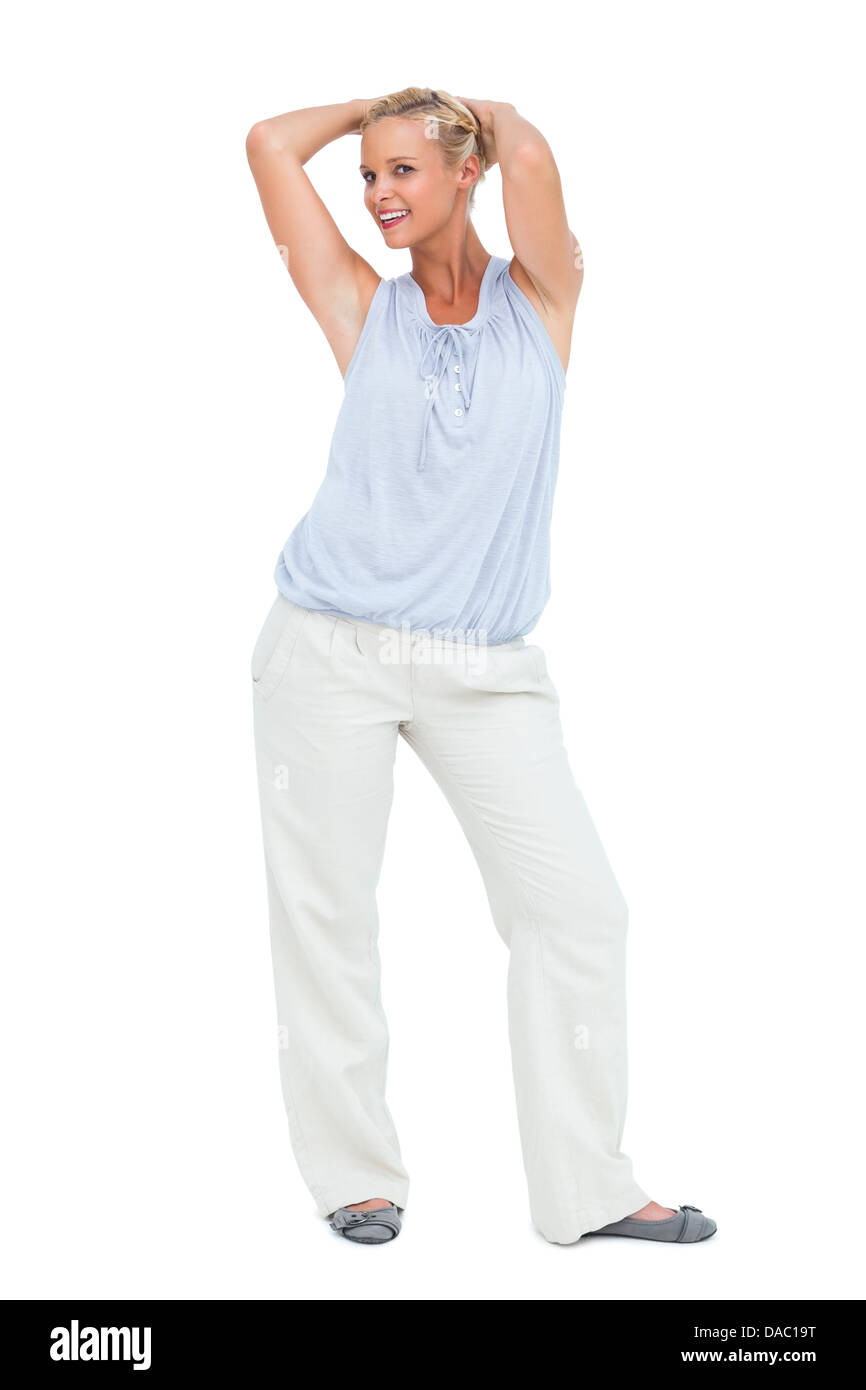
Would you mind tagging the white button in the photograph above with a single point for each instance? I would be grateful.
(457, 369)
(457, 386)
(458, 411)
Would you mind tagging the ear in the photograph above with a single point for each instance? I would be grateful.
(470, 172)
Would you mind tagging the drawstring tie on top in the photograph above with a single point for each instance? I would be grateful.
(445, 342)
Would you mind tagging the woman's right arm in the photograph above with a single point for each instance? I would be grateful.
(335, 283)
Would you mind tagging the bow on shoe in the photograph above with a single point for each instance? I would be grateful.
(360, 1218)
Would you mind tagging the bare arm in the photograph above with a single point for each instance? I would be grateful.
(546, 249)
(334, 282)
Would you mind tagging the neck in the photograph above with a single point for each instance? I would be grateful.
(449, 267)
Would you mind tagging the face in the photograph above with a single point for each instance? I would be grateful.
(404, 173)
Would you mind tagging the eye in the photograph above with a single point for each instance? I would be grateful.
(368, 174)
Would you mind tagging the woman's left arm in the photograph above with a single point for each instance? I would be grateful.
(535, 213)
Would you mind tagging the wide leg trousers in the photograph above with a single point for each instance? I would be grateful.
(330, 697)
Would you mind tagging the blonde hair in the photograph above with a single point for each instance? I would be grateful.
(453, 125)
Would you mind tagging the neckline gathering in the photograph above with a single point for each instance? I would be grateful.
(444, 341)
(483, 299)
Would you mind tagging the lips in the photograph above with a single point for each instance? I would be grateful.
(391, 218)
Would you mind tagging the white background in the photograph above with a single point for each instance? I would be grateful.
(170, 402)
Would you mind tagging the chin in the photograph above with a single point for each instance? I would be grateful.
(410, 236)
(401, 236)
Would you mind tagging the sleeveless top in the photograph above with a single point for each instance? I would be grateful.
(434, 511)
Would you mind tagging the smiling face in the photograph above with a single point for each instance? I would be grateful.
(404, 174)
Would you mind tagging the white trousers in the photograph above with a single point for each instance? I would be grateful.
(330, 697)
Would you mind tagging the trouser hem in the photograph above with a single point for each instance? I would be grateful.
(362, 1192)
(591, 1218)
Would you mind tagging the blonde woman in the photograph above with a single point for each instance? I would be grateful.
(404, 596)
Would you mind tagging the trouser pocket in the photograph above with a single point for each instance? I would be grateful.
(275, 645)
(505, 666)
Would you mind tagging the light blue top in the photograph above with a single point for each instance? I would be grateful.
(434, 512)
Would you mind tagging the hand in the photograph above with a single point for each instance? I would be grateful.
(363, 104)
(484, 112)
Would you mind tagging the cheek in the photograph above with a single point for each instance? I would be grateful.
(438, 193)
(423, 194)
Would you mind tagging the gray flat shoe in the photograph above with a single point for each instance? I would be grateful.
(367, 1227)
(687, 1224)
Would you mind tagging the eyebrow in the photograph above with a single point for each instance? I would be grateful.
(395, 159)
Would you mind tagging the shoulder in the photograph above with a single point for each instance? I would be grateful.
(375, 295)
(512, 283)
(553, 336)
(555, 328)
(515, 277)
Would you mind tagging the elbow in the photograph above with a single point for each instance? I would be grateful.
(534, 154)
(532, 160)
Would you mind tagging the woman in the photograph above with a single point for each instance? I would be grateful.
(403, 598)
